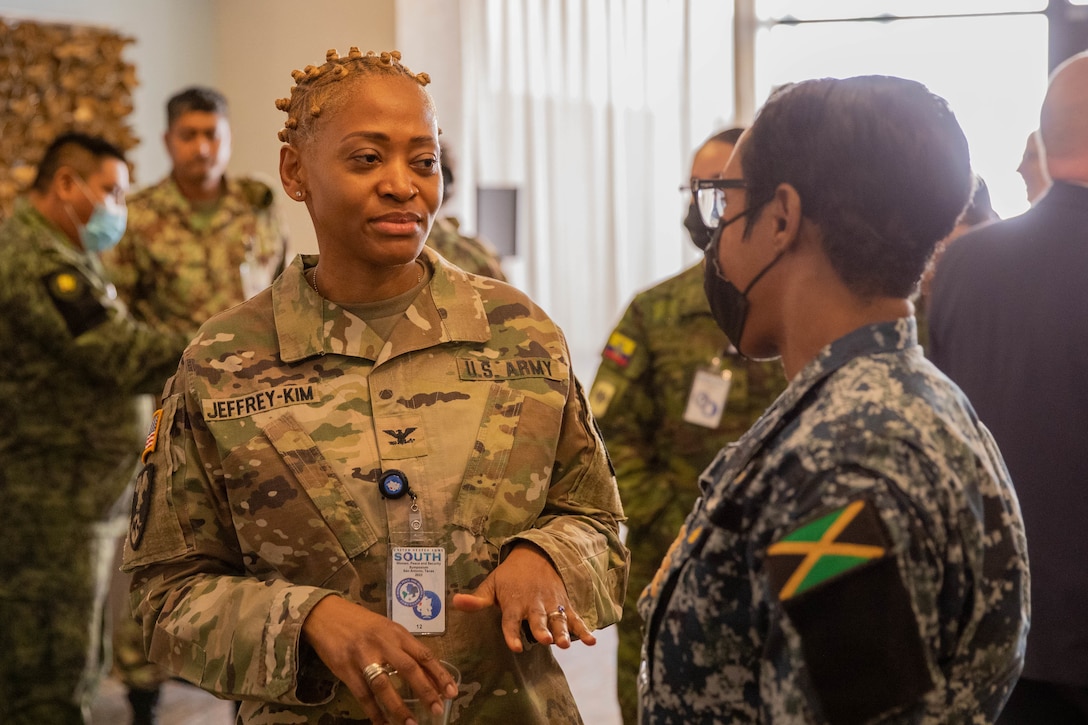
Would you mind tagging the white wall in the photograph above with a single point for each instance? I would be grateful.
(428, 34)
(259, 43)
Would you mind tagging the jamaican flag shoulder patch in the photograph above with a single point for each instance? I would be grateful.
(837, 578)
(824, 548)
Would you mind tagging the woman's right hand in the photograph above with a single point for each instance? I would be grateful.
(348, 638)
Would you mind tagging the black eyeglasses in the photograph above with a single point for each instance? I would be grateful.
(709, 197)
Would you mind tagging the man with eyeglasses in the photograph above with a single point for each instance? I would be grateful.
(70, 427)
(670, 392)
(858, 555)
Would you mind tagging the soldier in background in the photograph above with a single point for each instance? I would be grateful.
(669, 394)
(70, 426)
(471, 254)
(198, 242)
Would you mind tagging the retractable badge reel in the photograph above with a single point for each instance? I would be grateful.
(417, 574)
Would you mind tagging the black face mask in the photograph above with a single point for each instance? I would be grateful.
(728, 305)
(693, 222)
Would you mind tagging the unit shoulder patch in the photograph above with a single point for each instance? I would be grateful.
(619, 349)
(75, 299)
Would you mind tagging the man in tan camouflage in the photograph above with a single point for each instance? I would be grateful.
(665, 355)
(70, 429)
(198, 242)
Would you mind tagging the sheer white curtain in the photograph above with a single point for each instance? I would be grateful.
(591, 109)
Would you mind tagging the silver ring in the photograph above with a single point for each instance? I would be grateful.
(375, 670)
(560, 612)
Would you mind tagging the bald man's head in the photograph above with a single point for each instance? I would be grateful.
(1062, 123)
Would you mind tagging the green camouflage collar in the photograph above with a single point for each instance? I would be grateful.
(448, 309)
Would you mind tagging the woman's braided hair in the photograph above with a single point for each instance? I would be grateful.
(317, 88)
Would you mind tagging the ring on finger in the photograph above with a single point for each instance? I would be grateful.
(559, 613)
(375, 670)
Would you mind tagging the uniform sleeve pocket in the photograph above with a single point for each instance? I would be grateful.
(155, 527)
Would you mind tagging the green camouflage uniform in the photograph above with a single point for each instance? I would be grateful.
(175, 268)
(639, 398)
(858, 556)
(261, 498)
(469, 253)
(70, 434)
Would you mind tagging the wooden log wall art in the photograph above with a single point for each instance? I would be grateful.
(56, 78)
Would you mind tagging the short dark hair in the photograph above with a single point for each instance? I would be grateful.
(79, 151)
(196, 98)
(729, 136)
(881, 166)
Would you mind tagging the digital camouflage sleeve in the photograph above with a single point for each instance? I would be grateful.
(644, 383)
(858, 556)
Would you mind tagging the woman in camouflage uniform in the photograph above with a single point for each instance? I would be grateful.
(375, 406)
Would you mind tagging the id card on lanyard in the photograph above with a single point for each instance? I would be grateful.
(417, 572)
(709, 392)
(417, 582)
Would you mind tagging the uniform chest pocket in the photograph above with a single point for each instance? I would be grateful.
(505, 485)
(287, 517)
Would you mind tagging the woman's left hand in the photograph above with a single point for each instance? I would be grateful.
(526, 587)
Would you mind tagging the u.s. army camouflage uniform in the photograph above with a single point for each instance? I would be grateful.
(173, 269)
(176, 267)
(262, 497)
(70, 433)
(468, 253)
(639, 397)
(857, 556)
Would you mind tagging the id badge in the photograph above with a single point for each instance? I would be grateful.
(706, 401)
(417, 596)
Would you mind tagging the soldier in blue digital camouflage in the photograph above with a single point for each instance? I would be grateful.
(670, 392)
(380, 463)
(70, 425)
(859, 555)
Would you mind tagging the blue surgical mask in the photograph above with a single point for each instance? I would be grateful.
(105, 227)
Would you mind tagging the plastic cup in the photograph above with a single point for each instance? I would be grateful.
(419, 709)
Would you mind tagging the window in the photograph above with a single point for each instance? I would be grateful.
(990, 64)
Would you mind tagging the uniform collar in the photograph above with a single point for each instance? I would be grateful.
(166, 197)
(49, 234)
(447, 309)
